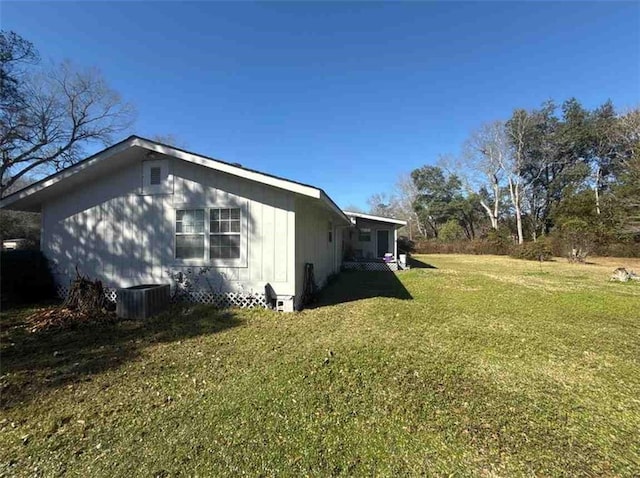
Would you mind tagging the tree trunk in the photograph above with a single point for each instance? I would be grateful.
(597, 190)
(492, 216)
(514, 192)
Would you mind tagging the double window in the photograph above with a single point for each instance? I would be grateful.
(209, 234)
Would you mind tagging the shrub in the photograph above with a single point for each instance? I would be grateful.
(475, 246)
(533, 251)
(500, 241)
(578, 239)
(451, 231)
(405, 245)
(25, 277)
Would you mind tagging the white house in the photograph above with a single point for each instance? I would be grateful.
(141, 212)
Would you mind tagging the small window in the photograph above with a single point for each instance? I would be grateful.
(155, 176)
(364, 235)
(330, 232)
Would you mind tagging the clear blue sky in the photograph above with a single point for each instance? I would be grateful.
(342, 95)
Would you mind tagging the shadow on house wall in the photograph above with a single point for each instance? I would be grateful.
(112, 233)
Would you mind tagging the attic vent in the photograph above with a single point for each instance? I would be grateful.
(155, 176)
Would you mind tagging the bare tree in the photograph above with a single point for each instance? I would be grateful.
(379, 204)
(64, 110)
(404, 199)
(514, 163)
(486, 153)
(170, 140)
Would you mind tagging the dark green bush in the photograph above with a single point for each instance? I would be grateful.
(405, 245)
(25, 277)
(533, 251)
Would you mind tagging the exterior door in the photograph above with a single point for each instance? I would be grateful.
(383, 243)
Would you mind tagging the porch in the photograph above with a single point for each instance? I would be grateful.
(370, 244)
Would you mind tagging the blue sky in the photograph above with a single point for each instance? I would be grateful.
(345, 96)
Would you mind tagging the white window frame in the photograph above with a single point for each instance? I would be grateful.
(242, 261)
(360, 230)
(166, 178)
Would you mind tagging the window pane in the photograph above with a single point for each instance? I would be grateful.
(234, 252)
(192, 220)
(235, 226)
(188, 215)
(224, 213)
(215, 226)
(190, 247)
(215, 240)
(214, 252)
(178, 227)
(235, 213)
(224, 226)
(215, 214)
(234, 240)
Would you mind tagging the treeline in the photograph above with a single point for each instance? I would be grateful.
(563, 177)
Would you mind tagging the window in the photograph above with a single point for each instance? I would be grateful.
(364, 235)
(330, 232)
(155, 176)
(224, 237)
(190, 234)
(217, 236)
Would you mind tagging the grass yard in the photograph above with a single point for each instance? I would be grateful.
(480, 366)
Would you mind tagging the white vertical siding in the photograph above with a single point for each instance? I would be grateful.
(312, 243)
(113, 233)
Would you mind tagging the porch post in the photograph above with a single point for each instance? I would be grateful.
(395, 243)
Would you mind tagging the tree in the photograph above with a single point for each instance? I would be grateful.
(514, 163)
(626, 191)
(379, 205)
(15, 54)
(52, 114)
(434, 203)
(170, 140)
(486, 151)
(353, 208)
(405, 196)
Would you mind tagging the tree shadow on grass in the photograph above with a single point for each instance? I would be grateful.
(33, 363)
(355, 285)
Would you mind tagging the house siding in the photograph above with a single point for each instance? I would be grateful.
(112, 232)
(313, 246)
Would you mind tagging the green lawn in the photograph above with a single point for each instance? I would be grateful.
(479, 366)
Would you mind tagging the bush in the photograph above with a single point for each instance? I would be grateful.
(451, 231)
(533, 251)
(405, 245)
(25, 277)
(475, 246)
(578, 239)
